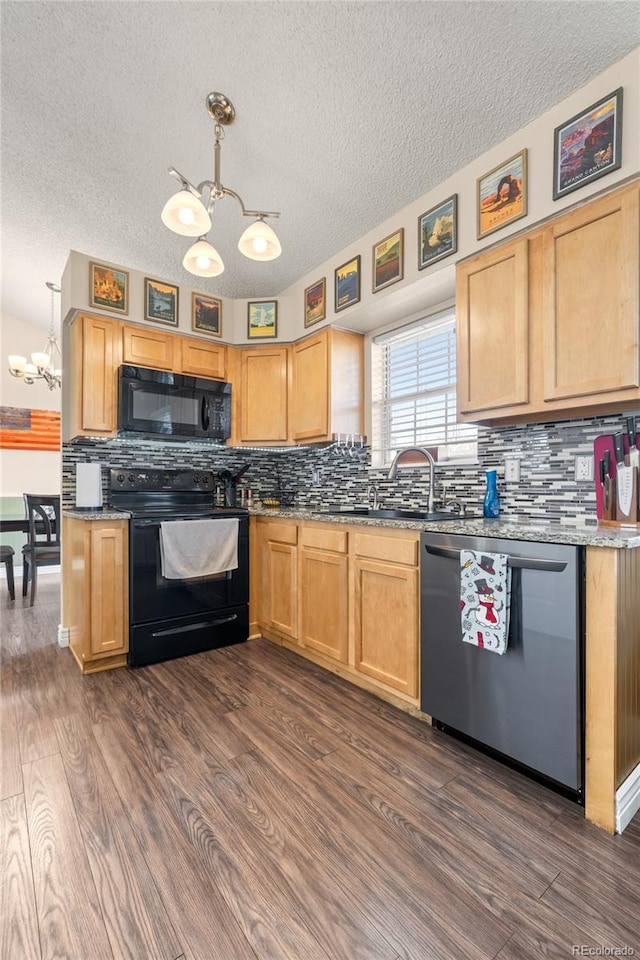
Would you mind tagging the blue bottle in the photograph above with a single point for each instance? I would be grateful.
(491, 507)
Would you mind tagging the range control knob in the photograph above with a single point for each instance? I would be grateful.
(120, 478)
(196, 478)
(131, 478)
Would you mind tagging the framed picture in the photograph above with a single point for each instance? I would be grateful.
(160, 302)
(315, 302)
(206, 315)
(438, 232)
(262, 319)
(108, 288)
(502, 195)
(388, 260)
(347, 279)
(588, 145)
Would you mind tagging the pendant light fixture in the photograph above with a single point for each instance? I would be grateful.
(188, 212)
(45, 365)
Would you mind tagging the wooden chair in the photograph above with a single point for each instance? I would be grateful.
(6, 557)
(43, 546)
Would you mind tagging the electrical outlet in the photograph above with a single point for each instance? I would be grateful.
(584, 468)
(512, 470)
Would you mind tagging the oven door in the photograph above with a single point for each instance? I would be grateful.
(153, 598)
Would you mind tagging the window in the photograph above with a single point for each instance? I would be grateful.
(414, 392)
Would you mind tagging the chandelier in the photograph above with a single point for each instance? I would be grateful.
(188, 212)
(44, 365)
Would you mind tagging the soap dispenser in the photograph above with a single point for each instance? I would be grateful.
(491, 507)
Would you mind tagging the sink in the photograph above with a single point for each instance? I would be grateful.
(382, 514)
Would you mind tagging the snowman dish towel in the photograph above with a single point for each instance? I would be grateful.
(485, 593)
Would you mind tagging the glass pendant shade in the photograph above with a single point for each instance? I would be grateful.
(259, 242)
(185, 214)
(17, 363)
(203, 260)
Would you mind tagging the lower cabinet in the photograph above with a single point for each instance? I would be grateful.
(347, 597)
(95, 591)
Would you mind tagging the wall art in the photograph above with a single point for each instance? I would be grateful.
(438, 232)
(502, 195)
(108, 288)
(206, 315)
(588, 145)
(160, 302)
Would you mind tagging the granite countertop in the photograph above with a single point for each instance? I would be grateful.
(580, 533)
(105, 513)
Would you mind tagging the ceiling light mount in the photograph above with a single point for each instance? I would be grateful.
(188, 212)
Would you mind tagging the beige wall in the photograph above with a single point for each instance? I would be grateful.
(421, 290)
(34, 471)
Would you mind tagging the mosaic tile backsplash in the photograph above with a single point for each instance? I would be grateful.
(329, 476)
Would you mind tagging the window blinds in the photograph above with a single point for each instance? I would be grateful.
(414, 392)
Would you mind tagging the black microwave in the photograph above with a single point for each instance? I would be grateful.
(173, 405)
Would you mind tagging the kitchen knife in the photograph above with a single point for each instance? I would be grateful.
(634, 453)
(609, 486)
(618, 444)
(626, 509)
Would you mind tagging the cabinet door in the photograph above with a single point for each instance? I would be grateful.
(263, 377)
(97, 377)
(590, 294)
(386, 623)
(492, 329)
(202, 359)
(108, 591)
(148, 348)
(309, 399)
(281, 579)
(324, 603)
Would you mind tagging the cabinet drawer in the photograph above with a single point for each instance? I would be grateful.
(282, 532)
(324, 538)
(386, 548)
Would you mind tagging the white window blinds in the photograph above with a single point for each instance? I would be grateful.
(414, 392)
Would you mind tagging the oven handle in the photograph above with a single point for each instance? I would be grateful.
(516, 563)
(195, 626)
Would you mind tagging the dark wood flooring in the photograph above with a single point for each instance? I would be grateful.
(245, 805)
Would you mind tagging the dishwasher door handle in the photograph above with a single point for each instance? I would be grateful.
(516, 563)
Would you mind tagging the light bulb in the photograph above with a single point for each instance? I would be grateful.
(203, 262)
(186, 215)
(259, 244)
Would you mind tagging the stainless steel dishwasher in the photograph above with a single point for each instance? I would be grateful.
(526, 704)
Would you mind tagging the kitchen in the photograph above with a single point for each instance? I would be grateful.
(338, 473)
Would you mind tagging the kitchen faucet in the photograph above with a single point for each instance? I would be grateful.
(372, 489)
(424, 453)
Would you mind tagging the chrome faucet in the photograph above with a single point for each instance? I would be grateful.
(393, 469)
(372, 489)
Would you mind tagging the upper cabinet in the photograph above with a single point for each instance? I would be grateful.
(93, 354)
(263, 376)
(590, 301)
(202, 359)
(327, 386)
(548, 324)
(144, 347)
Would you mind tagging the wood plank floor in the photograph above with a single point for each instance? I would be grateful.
(245, 805)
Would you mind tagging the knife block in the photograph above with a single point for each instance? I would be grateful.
(602, 444)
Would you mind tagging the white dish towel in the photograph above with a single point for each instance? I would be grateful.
(485, 594)
(198, 548)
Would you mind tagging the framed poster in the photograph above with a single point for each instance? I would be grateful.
(108, 288)
(502, 195)
(438, 232)
(206, 315)
(347, 284)
(588, 145)
(315, 302)
(388, 260)
(262, 319)
(160, 302)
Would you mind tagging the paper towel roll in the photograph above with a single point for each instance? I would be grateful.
(88, 485)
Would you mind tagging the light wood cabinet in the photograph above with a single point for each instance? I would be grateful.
(492, 329)
(143, 347)
(386, 610)
(202, 359)
(323, 592)
(95, 588)
(93, 353)
(277, 606)
(548, 325)
(263, 378)
(591, 322)
(326, 396)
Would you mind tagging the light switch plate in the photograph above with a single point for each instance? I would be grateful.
(584, 468)
(512, 470)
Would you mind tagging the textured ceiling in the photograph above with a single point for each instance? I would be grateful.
(346, 112)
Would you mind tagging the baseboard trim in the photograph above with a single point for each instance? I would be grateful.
(628, 800)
